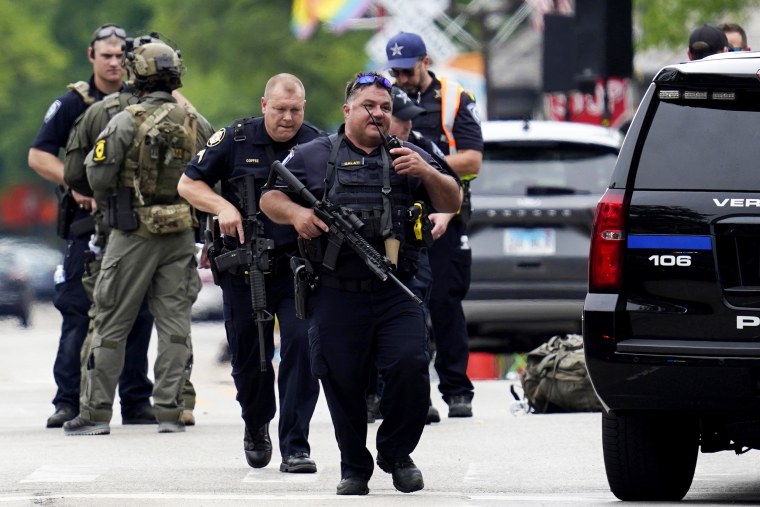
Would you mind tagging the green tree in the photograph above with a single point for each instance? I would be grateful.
(668, 23)
(234, 47)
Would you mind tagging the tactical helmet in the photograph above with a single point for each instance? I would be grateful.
(154, 61)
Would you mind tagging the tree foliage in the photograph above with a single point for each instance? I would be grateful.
(230, 49)
(668, 23)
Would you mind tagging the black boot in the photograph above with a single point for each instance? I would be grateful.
(62, 414)
(258, 447)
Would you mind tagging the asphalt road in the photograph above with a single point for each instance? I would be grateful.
(494, 458)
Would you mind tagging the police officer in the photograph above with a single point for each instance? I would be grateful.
(75, 225)
(151, 248)
(404, 111)
(82, 138)
(354, 316)
(247, 148)
(452, 122)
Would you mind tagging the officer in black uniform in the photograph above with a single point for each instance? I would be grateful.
(451, 121)
(354, 317)
(76, 226)
(248, 147)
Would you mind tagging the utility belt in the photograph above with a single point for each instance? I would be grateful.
(67, 222)
(364, 285)
(83, 227)
(279, 261)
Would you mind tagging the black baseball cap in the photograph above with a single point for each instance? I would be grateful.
(404, 108)
(707, 40)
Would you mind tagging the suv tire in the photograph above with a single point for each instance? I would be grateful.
(649, 457)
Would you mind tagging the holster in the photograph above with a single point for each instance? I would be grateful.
(420, 228)
(465, 211)
(303, 284)
(66, 209)
(121, 215)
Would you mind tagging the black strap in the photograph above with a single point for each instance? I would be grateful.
(386, 222)
(239, 130)
(336, 140)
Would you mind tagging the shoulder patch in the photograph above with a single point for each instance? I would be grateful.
(99, 151)
(54, 107)
(473, 109)
(216, 138)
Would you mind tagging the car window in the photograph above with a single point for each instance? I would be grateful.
(696, 144)
(510, 169)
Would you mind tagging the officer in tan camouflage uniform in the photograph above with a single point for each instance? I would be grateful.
(133, 170)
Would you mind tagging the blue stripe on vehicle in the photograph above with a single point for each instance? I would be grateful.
(670, 242)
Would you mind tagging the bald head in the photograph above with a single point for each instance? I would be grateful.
(283, 106)
(286, 83)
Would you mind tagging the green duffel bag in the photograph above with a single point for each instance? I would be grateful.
(555, 378)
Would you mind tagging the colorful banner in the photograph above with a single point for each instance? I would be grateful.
(307, 14)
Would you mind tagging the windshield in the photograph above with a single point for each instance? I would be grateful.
(544, 169)
(711, 146)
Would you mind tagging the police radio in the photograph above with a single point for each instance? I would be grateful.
(389, 142)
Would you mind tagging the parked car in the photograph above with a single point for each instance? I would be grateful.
(671, 323)
(38, 259)
(209, 305)
(15, 291)
(532, 209)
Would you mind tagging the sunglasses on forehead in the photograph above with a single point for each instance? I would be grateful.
(368, 79)
(108, 31)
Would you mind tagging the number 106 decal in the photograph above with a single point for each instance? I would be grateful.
(671, 260)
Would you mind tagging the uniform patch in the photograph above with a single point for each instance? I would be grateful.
(473, 109)
(216, 138)
(54, 107)
(99, 151)
(200, 155)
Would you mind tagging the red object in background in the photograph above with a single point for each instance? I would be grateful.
(588, 108)
(26, 205)
(482, 366)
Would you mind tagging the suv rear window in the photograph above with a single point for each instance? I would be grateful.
(544, 168)
(693, 144)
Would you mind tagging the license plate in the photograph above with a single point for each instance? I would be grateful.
(530, 241)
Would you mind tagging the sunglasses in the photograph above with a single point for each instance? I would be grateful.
(108, 31)
(368, 79)
(403, 72)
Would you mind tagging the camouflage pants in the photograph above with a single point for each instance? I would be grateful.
(163, 267)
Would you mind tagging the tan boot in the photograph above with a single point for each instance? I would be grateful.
(187, 418)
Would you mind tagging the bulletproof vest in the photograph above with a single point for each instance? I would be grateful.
(83, 89)
(163, 144)
(358, 185)
(117, 102)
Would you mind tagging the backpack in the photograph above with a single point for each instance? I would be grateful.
(555, 378)
(164, 142)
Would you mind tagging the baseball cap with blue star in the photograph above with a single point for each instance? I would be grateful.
(404, 50)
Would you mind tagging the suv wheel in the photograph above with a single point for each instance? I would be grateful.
(649, 456)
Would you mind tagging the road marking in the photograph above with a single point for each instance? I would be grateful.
(257, 477)
(67, 473)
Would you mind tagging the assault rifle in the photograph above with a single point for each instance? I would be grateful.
(344, 226)
(253, 256)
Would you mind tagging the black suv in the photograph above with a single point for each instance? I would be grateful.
(672, 317)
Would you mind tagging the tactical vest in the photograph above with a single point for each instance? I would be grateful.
(163, 144)
(360, 183)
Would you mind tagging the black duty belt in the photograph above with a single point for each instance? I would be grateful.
(83, 226)
(373, 284)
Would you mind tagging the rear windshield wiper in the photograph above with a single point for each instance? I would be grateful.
(552, 190)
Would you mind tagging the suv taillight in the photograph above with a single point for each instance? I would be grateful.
(607, 243)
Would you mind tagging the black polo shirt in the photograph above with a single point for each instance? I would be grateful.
(60, 117)
(226, 160)
(466, 129)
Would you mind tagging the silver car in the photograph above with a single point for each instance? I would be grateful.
(533, 206)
